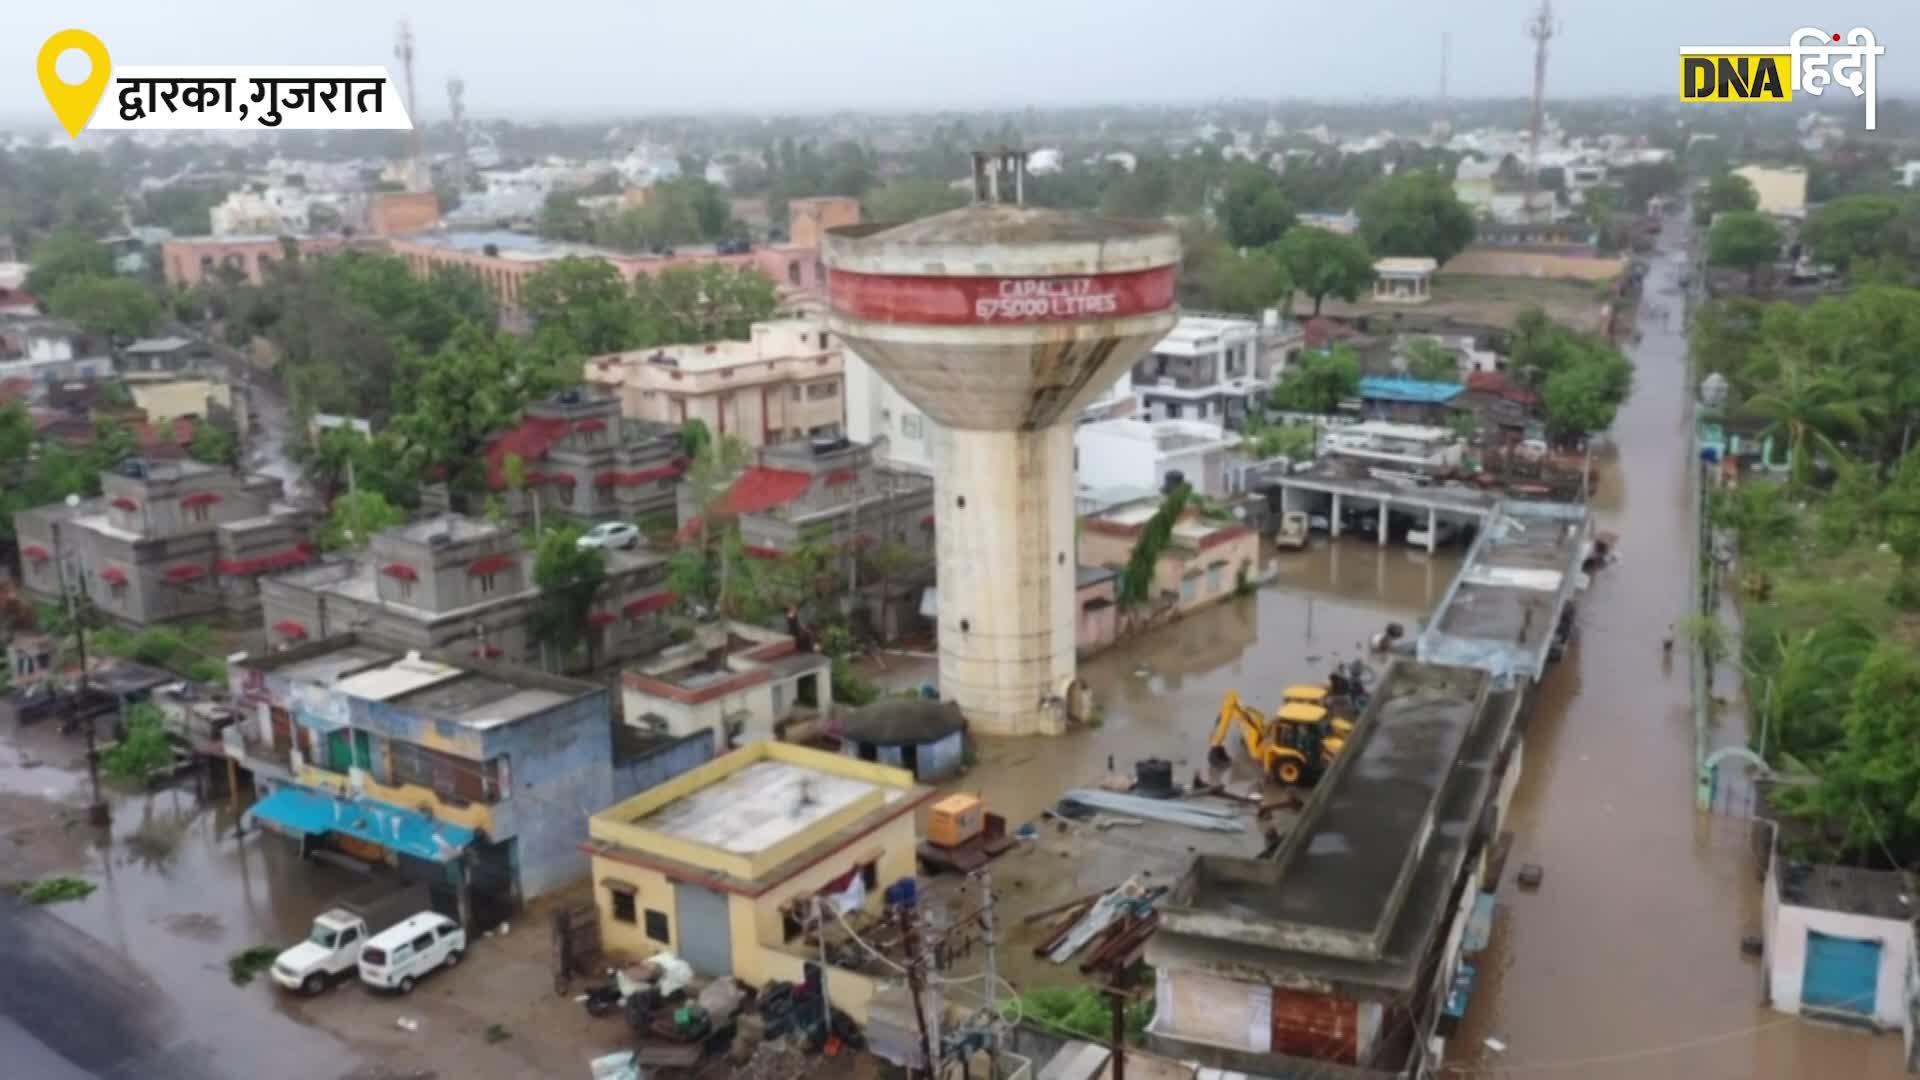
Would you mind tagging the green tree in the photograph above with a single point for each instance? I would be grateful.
(119, 307)
(1323, 264)
(1255, 210)
(1866, 793)
(1318, 382)
(1807, 409)
(1745, 239)
(1899, 507)
(1415, 213)
(355, 517)
(64, 255)
(423, 312)
(709, 302)
(911, 198)
(563, 218)
(1143, 563)
(1429, 360)
(214, 445)
(1295, 442)
(182, 211)
(1582, 398)
(1857, 227)
(586, 301)
(452, 401)
(1725, 194)
(570, 578)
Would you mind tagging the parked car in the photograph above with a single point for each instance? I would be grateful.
(611, 534)
(332, 948)
(399, 957)
(1445, 532)
(1293, 531)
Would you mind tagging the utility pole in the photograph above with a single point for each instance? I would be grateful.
(916, 982)
(416, 157)
(1541, 29)
(97, 812)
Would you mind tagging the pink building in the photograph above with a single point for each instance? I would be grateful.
(502, 260)
(188, 261)
(785, 382)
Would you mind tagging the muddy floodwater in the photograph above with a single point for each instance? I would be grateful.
(1626, 962)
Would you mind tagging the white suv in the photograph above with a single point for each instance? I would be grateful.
(397, 958)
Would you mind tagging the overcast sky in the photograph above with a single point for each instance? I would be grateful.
(594, 56)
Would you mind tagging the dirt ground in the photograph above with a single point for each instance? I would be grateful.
(1490, 301)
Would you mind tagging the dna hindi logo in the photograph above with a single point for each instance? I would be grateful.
(1810, 62)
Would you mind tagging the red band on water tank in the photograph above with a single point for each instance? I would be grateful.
(988, 301)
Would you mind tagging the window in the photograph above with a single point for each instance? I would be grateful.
(910, 425)
(797, 392)
(424, 941)
(793, 271)
(1216, 574)
(197, 512)
(486, 582)
(1173, 412)
(657, 927)
(623, 906)
(821, 391)
(406, 587)
(447, 931)
(1189, 590)
(870, 875)
(350, 935)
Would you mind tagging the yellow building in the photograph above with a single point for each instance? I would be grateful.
(1783, 192)
(166, 398)
(721, 864)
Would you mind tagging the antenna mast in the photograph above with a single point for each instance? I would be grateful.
(416, 157)
(1541, 29)
(457, 109)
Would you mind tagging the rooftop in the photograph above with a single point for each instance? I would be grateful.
(1880, 894)
(750, 819)
(435, 686)
(519, 247)
(1200, 333)
(158, 345)
(1415, 391)
(1501, 611)
(454, 527)
(1397, 264)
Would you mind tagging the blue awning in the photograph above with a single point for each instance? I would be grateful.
(1411, 391)
(299, 812)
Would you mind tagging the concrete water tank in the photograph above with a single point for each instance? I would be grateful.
(1002, 322)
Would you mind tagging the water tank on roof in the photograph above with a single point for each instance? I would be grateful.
(828, 444)
(1174, 479)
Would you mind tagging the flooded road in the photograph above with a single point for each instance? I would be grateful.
(1626, 962)
(176, 895)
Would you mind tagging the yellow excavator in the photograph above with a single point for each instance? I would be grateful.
(1295, 747)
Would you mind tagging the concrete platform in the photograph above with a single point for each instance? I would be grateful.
(1521, 573)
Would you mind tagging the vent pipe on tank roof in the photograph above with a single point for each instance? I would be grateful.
(1000, 176)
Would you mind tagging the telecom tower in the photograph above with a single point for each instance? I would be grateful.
(416, 155)
(457, 111)
(1541, 29)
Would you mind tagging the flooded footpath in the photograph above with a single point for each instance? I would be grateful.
(1626, 962)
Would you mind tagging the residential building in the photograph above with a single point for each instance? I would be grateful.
(14, 298)
(277, 209)
(164, 540)
(464, 586)
(164, 355)
(45, 350)
(809, 219)
(166, 398)
(724, 866)
(1519, 207)
(1782, 191)
(1095, 595)
(1131, 452)
(1206, 368)
(1204, 562)
(1403, 280)
(1839, 942)
(1352, 946)
(1345, 223)
(475, 779)
(585, 462)
(1473, 181)
(1907, 174)
(786, 381)
(737, 681)
(399, 213)
(1395, 446)
(830, 493)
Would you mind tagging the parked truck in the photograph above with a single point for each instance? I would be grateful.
(332, 948)
(1293, 531)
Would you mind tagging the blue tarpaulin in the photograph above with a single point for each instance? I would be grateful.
(1417, 391)
(299, 812)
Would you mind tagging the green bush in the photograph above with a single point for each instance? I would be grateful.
(145, 749)
(52, 890)
(1084, 1012)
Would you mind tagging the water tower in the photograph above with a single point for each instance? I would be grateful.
(1002, 322)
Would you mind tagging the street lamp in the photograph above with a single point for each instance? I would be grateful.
(97, 812)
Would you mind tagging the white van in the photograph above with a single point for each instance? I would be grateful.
(397, 958)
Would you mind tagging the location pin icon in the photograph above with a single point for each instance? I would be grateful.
(73, 102)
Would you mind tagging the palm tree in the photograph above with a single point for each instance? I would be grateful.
(1809, 408)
